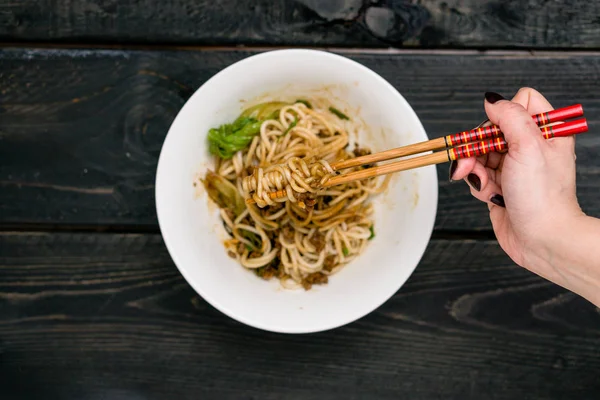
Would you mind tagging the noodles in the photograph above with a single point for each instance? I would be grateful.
(309, 233)
(295, 180)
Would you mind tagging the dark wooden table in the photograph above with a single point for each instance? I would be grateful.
(91, 305)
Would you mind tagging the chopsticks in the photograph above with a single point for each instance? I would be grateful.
(474, 149)
(465, 137)
(474, 143)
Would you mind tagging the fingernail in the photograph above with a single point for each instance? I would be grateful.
(474, 181)
(453, 165)
(493, 97)
(498, 200)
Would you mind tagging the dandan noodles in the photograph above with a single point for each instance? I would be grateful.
(310, 233)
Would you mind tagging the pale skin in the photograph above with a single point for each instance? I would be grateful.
(542, 226)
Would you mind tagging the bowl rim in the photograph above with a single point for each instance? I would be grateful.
(175, 258)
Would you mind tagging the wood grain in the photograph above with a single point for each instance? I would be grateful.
(81, 130)
(108, 316)
(344, 23)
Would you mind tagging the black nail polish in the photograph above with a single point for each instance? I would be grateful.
(498, 200)
(474, 181)
(453, 165)
(493, 97)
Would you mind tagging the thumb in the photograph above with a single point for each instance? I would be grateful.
(519, 130)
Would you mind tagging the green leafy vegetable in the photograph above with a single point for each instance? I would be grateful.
(345, 251)
(289, 128)
(224, 193)
(305, 102)
(228, 139)
(264, 111)
(339, 114)
(253, 238)
(372, 229)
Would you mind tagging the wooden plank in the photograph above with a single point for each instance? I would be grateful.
(109, 316)
(81, 130)
(354, 23)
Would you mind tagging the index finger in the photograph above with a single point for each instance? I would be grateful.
(532, 101)
(535, 103)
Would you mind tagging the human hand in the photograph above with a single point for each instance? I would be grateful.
(530, 190)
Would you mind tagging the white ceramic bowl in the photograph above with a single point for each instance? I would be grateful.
(193, 233)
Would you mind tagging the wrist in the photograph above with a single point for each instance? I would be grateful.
(562, 238)
(547, 244)
(571, 256)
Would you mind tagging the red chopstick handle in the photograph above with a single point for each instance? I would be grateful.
(491, 131)
(566, 129)
(561, 114)
(477, 149)
(475, 134)
(498, 144)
